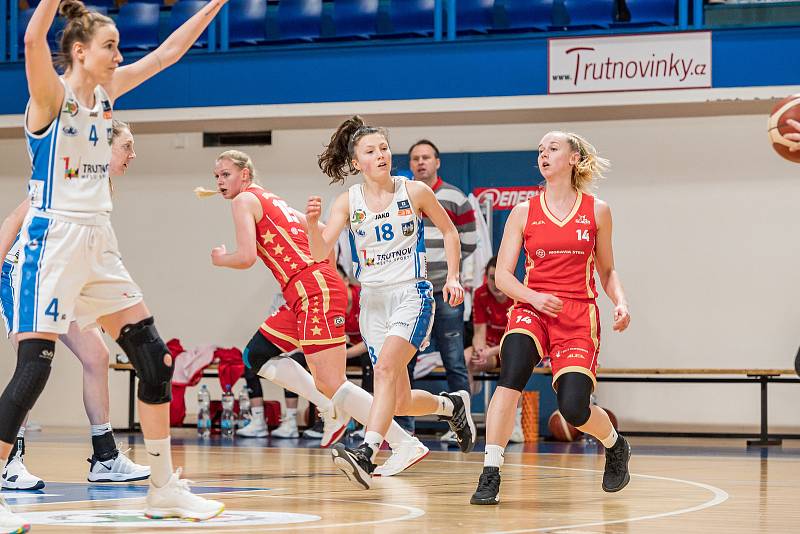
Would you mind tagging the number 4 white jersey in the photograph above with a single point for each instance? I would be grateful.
(388, 246)
(71, 157)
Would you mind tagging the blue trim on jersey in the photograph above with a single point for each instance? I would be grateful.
(43, 151)
(420, 247)
(354, 254)
(38, 229)
(425, 316)
(7, 295)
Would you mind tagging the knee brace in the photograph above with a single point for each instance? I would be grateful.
(258, 352)
(146, 351)
(253, 383)
(34, 360)
(574, 391)
(518, 357)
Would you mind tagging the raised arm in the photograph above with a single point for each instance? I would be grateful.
(45, 90)
(11, 225)
(170, 51)
(423, 199)
(246, 211)
(604, 262)
(322, 238)
(507, 257)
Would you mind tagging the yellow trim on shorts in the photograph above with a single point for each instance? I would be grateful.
(575, 369)
(279, 335)
(527, 333)
(326, 293)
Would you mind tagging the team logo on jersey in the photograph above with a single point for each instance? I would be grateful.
(70, 173)
(338, 320)
(70, 131)
(582, 219)
(358, 216)
(71, 107)
(106, 109)
(408, 228)
(404, 208)
(540, 253)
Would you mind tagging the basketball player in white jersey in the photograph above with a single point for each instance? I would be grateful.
(388, 245)
(69, 265)
(107, 463)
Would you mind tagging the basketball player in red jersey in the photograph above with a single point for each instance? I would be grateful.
(313, 318)
(566, 233)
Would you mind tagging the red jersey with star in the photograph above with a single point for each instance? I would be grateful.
(351, 326)
(486, 309)
(281, 238)
(560, 253)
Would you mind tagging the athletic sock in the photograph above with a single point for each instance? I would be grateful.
(445, 406)
(374, 440)
(494, 456)
(160, 454)
(356, 402)
(610, 440)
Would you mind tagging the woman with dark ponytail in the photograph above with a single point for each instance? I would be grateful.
(387, 239)
(69, 265)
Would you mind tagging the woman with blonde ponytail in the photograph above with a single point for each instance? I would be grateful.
(69, 265)
(566, 234)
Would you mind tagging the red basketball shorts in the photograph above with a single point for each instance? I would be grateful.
(313, 317)
(572, 340)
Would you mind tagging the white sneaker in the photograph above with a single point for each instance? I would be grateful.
(11, 522)
(17, 477)
(254, 430)
(333, 427)
(404, 455)
(288, 429)
(517, 436)
(119, 469)
(175, 500)
(449, 437)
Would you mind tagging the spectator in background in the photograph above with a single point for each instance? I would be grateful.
(490, 316)
(447, 335)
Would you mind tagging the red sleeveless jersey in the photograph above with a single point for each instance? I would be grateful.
(281, 239)
(560, 254)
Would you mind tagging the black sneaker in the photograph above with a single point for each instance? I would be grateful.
(461, 422)
(354, 463)
(488, 491)
(616, 475)
(316, 431)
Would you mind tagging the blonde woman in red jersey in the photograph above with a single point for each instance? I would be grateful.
(566, 233)
(313, 317)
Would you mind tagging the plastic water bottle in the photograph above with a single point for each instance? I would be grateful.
(245, 415)
(228, 418)
(203, 412)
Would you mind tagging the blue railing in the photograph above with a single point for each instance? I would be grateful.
(689, 16)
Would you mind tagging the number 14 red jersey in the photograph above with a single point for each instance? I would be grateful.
(560, 253)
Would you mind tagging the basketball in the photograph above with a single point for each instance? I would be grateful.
(561, 430)
(788, 108)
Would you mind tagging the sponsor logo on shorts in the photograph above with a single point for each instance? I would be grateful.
(408, 228)
(70, 131)
(399, 323)
(358, 216)
(338, 320)
(582, 219)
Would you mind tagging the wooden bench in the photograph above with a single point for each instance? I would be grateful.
(604, 374)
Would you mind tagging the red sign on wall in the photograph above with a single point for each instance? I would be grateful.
(505, 198)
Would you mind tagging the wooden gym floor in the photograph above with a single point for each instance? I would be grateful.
(678, 485)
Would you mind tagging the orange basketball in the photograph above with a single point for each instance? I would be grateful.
(561, 430)
(788, 108)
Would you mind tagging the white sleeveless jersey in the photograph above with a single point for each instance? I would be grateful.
(70, 159)
(388, 247)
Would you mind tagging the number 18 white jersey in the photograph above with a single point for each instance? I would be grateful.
(70, 159)
(389, 246)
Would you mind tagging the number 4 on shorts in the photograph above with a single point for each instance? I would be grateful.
(52, 309)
